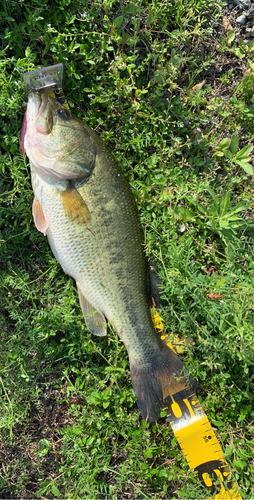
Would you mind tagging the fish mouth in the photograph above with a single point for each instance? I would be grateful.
(34, 102)
(43, 105)
(40, 107)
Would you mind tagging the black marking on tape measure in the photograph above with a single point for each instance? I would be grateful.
(59, 96)
(218, 472)
(182, 406)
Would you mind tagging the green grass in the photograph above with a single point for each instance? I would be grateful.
(70, 427)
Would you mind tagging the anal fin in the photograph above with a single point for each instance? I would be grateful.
(95, 320)
(39, 218)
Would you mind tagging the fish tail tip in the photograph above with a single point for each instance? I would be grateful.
(164, 375)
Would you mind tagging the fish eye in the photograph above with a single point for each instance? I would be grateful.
(62, 113)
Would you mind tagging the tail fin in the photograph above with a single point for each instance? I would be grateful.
(164, 375)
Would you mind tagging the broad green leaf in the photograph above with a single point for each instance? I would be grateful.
(244, 48)
(214, 196)
(224, 203)
(44, 447)
(201, 208)
(228, 154)
(241, 157)
(230, 37)
(118, 21)
(219, 154)
(244, 151)
(239, 53)
(223, 223)
(229, 451)
(233, 219)
(234, 146)
(238, 464)
(246, 166)
(227, 233)
(149, 19)
(55, 490)
(76, 430)
(225, 143)
(214, 225)
(251, 46)
(187, 214)
(242, 205)
(28, 52)
(183, 213)
(241, 453)
(213, 210)
(238, 224)
(90, 440)
(251, 64)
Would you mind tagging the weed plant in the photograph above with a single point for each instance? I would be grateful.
(70, 427)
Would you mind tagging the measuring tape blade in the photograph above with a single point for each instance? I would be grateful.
(59, 96)
(196, 437)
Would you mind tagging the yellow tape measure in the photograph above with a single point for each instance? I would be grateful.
(196, 437)
(59, 97)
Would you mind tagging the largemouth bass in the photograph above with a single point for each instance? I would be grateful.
(84, 205)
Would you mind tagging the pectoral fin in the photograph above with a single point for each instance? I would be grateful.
(39, 218)
(75, 206)
(95, 320)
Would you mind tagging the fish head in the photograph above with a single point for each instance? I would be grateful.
(57, 143)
